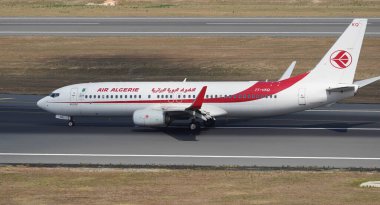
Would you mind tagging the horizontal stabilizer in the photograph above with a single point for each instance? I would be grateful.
(288, 71)
(365, 82)
(341, 88)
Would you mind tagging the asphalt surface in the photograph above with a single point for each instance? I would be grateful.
(341, 136)
(124, 26)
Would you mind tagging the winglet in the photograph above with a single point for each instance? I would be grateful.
(288, 71)
(197, 104)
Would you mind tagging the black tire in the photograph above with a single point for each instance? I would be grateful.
(194, 126)
(71, 123)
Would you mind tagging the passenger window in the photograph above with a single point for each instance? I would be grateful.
(130, 96)
(184, 96)
(103, 96)
(148, 96)
(243, 96)
(206, 96)
(115, 96)
(135, 96)
(107, 96)
(275, 96)
(166, 96)
(158, 96)
(189, 96)
(99, 96)
(85, 96)
(193, 96)
(171, 96)
(90, 96)
(139, 96)
(111, 96)
(126, 96)
(179, 96)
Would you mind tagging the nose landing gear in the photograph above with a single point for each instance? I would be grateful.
(71, 123)
(70, 119)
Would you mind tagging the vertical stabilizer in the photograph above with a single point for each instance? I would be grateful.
(339, 63)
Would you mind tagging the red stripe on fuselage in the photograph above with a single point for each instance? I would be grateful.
(258, 90)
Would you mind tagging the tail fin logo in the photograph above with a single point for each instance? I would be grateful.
(341, 59)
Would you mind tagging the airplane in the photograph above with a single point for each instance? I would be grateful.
(158, 104)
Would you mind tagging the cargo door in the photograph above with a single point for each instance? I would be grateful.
(302, 96)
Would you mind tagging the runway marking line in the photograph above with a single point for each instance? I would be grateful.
(289, 23)
(189, 156)
(302, 120)
(317, 110)
(6, 98)
(305, 128)
(32, 23)
(185, 18)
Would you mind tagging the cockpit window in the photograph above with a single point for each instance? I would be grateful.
(54, 95)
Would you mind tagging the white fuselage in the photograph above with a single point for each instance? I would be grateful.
(232, 99)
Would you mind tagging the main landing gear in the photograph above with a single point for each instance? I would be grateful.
(210, 122)
(194, 125)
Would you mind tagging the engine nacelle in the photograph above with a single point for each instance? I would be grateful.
(150, 118)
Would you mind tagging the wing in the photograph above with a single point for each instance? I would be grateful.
(197, 108)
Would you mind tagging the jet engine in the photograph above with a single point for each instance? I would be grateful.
(150, 118)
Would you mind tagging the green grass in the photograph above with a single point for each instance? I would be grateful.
(24, 185)
(218, 8)
(161, 6)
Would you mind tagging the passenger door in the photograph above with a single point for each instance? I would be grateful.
(74, 96)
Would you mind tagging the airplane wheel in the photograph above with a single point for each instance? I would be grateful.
(194, 126)
(71, 123)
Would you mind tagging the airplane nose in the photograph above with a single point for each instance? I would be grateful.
(41, 103)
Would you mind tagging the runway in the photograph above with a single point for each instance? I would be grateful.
(125, 26)
(341, 136)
